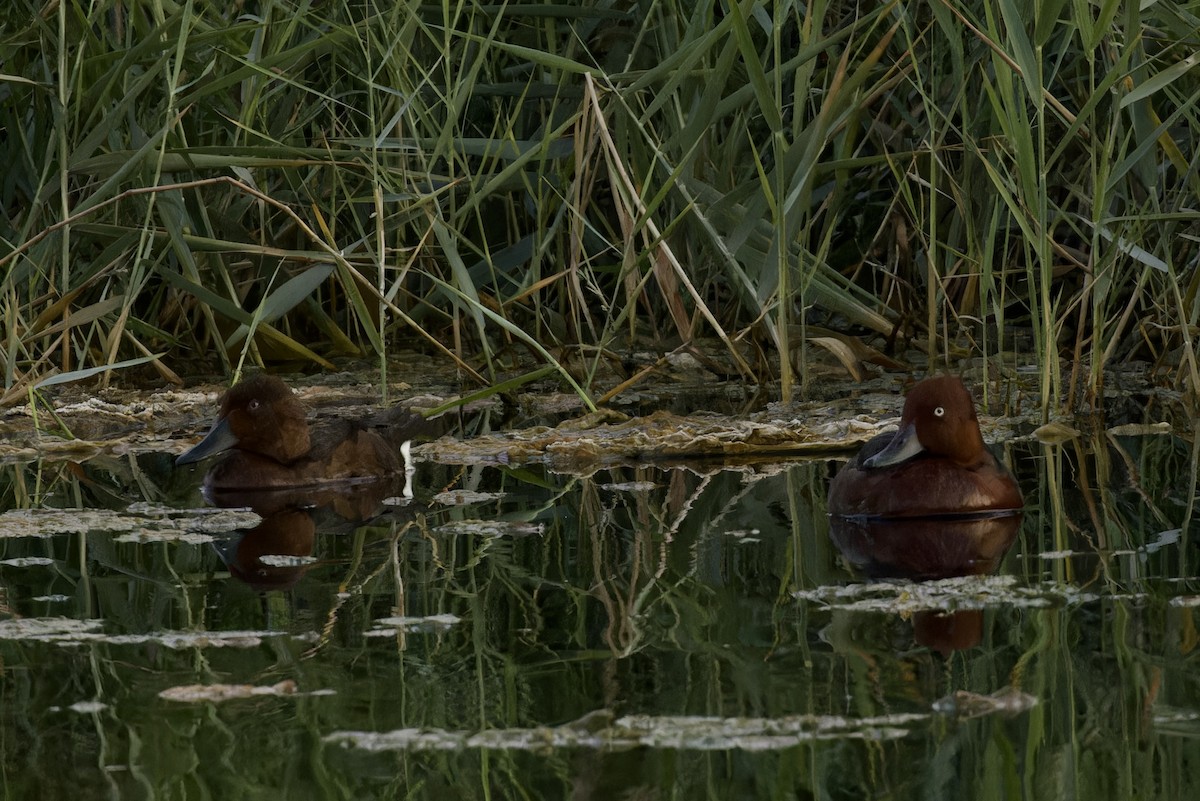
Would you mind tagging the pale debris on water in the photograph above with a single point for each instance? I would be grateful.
(964, 592)
(1140, 429)
(599, 731)
(964, 704)
(27, 561)
(1178, 721)
(286, 560)
(48, 629)
(745, 536)
(630, 486)
(491, 528)
(88, 707)
(70, 631)
(216, 693)
(1055, 432)
(138, 523)
(17, 523)
(1056, 555)
(465, 497)
(178, 640)
(158, 535)
(387, 626)
(93, 405)
(607, 437)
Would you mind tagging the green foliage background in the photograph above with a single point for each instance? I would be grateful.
(219, 182)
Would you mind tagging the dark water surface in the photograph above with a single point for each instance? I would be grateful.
(638, 633)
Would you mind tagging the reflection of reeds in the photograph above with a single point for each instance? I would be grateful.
(552, 180)
(672, 609)
(1123, 499)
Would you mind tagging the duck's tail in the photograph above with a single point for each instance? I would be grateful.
(400, 424)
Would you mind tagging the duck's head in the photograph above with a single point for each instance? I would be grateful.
(259, 415)
(939, 420)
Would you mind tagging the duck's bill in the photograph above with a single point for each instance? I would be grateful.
(903, 446)
(218, 440)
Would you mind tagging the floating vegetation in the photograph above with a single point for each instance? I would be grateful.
(1048, 556)
(598, 731)
(88, 707)
(964, 592)
(69, 631)
(390, 625)
(286, 560)
(608, 437)
(491, 528)
(465, 497)
(48, 629)
(1055, 432)
(178, 640)
(629, 486)
(188, 537)
(964, 704)
(27, 561)
(138, 523)
(1181, 722)
(48, 523)
(218, 693)
(1140, 429)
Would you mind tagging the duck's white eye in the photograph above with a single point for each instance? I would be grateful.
(940, 411)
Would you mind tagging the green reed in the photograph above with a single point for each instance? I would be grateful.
(200, 189)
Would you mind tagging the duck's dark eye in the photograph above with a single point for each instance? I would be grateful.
(940, 411)
(253, 405)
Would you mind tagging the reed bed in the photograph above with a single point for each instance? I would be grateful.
(520, 188)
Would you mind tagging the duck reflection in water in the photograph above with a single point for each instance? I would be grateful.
(286, 469)
(928, 502)
(925, 550)
(276, 553)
